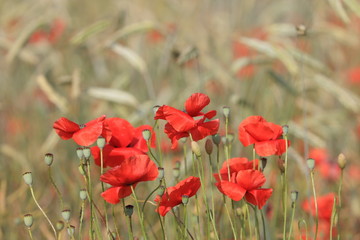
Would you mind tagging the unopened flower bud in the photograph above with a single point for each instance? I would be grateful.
(226, 111)
(83, 194)
(86, 152)
(146, 133)
(100, 142)
(285, 129)
(156, 108)
(82, 170)
(281, 165)
(66, 214)
(59, 226)
(341, 161)
(48, 159)
(161, 173)
(185, 199)
(71, 230)
(161, 190)
(310, 163)
(28, 220)
(79, 153)
(183, 140)
(216, 139)
(28, 178)
(196, 149)
(301, 30)
(294, 195)
(208, 146)
(129, 209)
(176, 172)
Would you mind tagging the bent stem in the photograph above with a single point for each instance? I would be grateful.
(47, 218)
(141, 217)
(56, 188)
(315, 203)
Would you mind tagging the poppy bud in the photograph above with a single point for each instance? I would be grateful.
(71, 230)
(208, 146)
(196, 149)
(161, 173)
(281, 165)
(146, 133)
(216, 139)
(101, 142)
(66, 214)
(341, 161)
(28, 178)
(310, 163)
(59, 226)
(82, 169)
(86, 152)
(48, 159)
(176, 172)
(294, 195)
(161, 190)
(285, 129)
(79, 153)
(226, 111)
(28, 220)
(301, 30)
(83, 194)
(156, 108)
(185, 199)
(183, 140)
(129, 209)
(263, 163)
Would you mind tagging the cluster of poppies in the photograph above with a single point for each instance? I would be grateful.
(125, 152)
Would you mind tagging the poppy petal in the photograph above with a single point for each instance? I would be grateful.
(272, 147)
(232, 190)
(114, 194)
(195, 103)
(250, 179)
(179, 120)
(65, 128)
(139, 142)
(88, 135)
(263, 131)
(121, 130)
(258, 197)
(205, 129)
(237, 164)
(245, 138)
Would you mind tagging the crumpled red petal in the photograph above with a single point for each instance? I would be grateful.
(195, 103)
(258, 197)
(250, 179)
(230, 189)
(65, 128)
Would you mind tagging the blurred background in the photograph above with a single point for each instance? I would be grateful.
(293, 62)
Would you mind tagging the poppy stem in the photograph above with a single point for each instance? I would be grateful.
(81, 218)
(42, 211)
(115, 221)
(263, 223)
(231, 222)
(340, 203)
(103, 189)
(285, 186)
(185, 221)
(56, 188)
(293, 206)
(333, 216)
(141, 217)
(185, 161)
(315, 203)
(161, 223)
(306, 229)
(148, 197)
(30, 234)
(89, 187)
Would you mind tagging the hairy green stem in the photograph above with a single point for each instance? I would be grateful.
(315, 203)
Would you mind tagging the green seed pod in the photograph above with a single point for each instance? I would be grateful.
(176, 172)
(310, 163)
(100, 142)
(86, 152)
(79, 153)
(183, 140)
(208, 146)
(28, 220)
(294, 195)
(226, 111)
(216, 139)
(28, 178)
(196, 149)
(48, 159)
(59, 225)
(156, 108)
(301, 30)
(129, 209)
(83, 194)
(185, 199)
(285, 129)
(71, 230)
(341, 161)
(66, 214)
(146, 133)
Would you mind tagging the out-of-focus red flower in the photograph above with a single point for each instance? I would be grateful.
(155, 36)
(129, 173)
(83, 134)
(265, 136)
(173, 195)
(52, 36)
(123, 140)
(191, 122)
(325, 205)
(327, 169)
(353, 75)
(246, 183)
(235, 165)
(354, 172)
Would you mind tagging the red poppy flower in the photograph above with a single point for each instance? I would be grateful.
(123, 140)
(235, 165)
(173, 195)
(246, 183)
(130, 172)
(84, 134)
(182, 124)
(353, 75)
(264, 135)
(56, 29)
(325, 205)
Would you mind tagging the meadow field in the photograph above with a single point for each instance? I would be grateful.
(164, 119)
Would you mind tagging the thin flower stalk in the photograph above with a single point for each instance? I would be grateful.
(333, 217)
(285, 187)
(340, 202)
(293, 206)
(103, 189)
(315, 203)
(141, 216)
(56, 188)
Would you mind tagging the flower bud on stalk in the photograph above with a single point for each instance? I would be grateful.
(185, 199)
(156, 108)
(310, 163)
(66, 214)
(48, 159)
(285, 129)
(79, 153)
(208, 146)
(176, 172)
(28, 178)
(59, 226)
(294, 195)
(129, 209)
(196, 149)
(226, 111)
(341, 161)
(101, 142)
(28, 220)
(216, 139)
(146, 134)
(86, 152)
(83, 194)
(281, 165)
(71, 230)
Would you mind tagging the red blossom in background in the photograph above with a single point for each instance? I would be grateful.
(353, 75)
(191, 122)
(129, 173)
(84, 134)
(235, 165)
(265, 136)
(124, 141)
(245, 183)
(328, 170)
(52, 36)
(173, 195)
